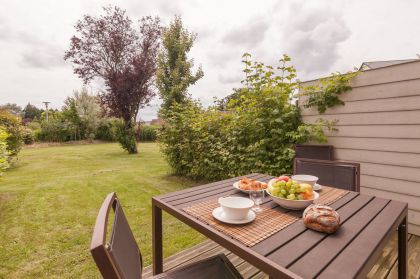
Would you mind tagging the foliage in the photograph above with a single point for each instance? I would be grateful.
(82, 111)
(4, 152)
(57, 129)
(327, 93)
(110, 48)
(174, 68)
(31, 112)
(28, 135)
(257, 133)
(146, 133)
(12, 108)
(126, 136)
(107, 129)
(12, 125)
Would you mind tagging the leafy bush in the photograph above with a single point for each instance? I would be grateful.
(4, 153)
(126, 136)
(327, 93)
(107, 129)
(257, 133)
(28, 135)
(12, 125)
(146, 133)
(56, 130)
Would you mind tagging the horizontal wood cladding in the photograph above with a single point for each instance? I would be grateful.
(391, 185)
(414, 216)
(376, 105)
(413, 202)
(378, 157)
(370, 118)
(376, 144)
(390, 171)
(397, 73)
(414, 229)
(379, 127)
(378, 131)
(380, 91)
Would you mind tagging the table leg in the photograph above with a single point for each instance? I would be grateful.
(402, 249)
(157, 239)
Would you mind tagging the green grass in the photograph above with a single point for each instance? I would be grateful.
(49, 202)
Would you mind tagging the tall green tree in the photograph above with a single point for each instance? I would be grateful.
(174, 74)
(82, 111)
(31, 112)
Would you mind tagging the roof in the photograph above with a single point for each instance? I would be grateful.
(381, 64)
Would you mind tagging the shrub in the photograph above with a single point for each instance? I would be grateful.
(4, 153)
(55, 131)
(107, 129)
(126, 136)
(12, 125)
(257, 133)
(146, 132)
(28, 135)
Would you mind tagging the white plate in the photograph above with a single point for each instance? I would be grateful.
(220, 215)
(236, 186)
(317, 187)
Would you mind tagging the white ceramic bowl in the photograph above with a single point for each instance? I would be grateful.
(293, 204)
(236, 208)
(305, 178)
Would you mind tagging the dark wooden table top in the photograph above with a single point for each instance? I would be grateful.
(298, 252)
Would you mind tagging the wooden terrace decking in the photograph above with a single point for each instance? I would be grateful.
(385, 268)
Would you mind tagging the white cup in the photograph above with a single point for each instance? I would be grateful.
(236, 208)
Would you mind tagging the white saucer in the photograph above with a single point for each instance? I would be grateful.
(220, 215)
(317, 187)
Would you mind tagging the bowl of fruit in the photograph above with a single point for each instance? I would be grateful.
(291, 194)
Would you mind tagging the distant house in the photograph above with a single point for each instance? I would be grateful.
(380, 64)
(156, 121)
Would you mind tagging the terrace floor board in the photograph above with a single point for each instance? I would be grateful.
(385, 267)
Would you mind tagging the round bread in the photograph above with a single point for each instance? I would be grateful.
(321, 218)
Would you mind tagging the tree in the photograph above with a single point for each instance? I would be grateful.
(174, 74)
(82, 110)
(12, 108)
(31, 112)
(124, 57)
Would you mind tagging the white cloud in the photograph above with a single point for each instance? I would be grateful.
(321, 36)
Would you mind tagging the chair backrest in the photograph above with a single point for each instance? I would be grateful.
(320, 152)
(120, 257)
(344, 175)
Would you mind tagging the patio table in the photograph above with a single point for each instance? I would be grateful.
(295, 251)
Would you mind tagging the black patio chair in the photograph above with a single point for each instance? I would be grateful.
(320, 152)
(338, 174)
(120, 258)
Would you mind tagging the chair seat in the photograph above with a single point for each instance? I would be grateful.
(216, 267)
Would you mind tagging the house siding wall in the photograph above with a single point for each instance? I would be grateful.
(379, 126)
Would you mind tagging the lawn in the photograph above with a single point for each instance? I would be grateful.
(49, 202)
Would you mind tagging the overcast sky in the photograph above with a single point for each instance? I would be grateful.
(320, 36)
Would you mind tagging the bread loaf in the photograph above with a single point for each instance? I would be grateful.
(321, 218)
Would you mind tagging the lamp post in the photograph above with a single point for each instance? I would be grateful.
(46, 109)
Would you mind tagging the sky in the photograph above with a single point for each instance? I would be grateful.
(320, 36)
